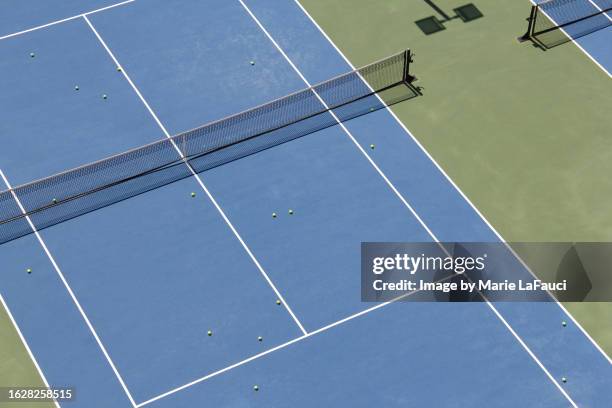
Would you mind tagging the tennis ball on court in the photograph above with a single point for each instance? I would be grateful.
(210, 333)
(54, 201)
(278, 302)
(564, 379)
(273, 215)
(32, 55)
(118, 69)
(193, 194)
(76, 88)
(29, 270)
(252, 62)
(372, 146)
(104, 96)
(290, 212)
(256, 387)
(563, 324)
(260, 338)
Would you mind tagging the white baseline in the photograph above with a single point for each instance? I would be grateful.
(29, 30)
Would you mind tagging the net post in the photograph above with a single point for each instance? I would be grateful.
(408, 78)
(184, 145)
(531, 19)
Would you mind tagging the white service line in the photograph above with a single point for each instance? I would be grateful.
(23, 340)
(431, 234)
(579, 47)
(69, 289)
(199, 180)
(281, 346)
(65, 19)
(455, 186)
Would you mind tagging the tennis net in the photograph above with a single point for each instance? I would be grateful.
(554, 22)
(75, 192)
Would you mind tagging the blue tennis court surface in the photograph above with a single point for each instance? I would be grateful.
(176, 299)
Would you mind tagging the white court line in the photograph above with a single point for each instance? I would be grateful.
(281, 346)
(23, 340)
(431, 234)
(455, 186)
(65, 19)
(199, 180)
(69, 289)
(581, 49)
(600, 9)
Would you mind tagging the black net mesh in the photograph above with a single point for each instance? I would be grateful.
(558, 21)
(64, 196)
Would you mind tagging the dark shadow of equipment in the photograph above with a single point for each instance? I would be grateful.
(432, 24)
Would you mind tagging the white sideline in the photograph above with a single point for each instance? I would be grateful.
(430, 157)
(600, 9)
(23, 340)
(431, 234)
(380, 172)
(69, 289)
(199, 180)
(65, 19)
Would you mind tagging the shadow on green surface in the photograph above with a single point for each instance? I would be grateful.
(432, 24)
